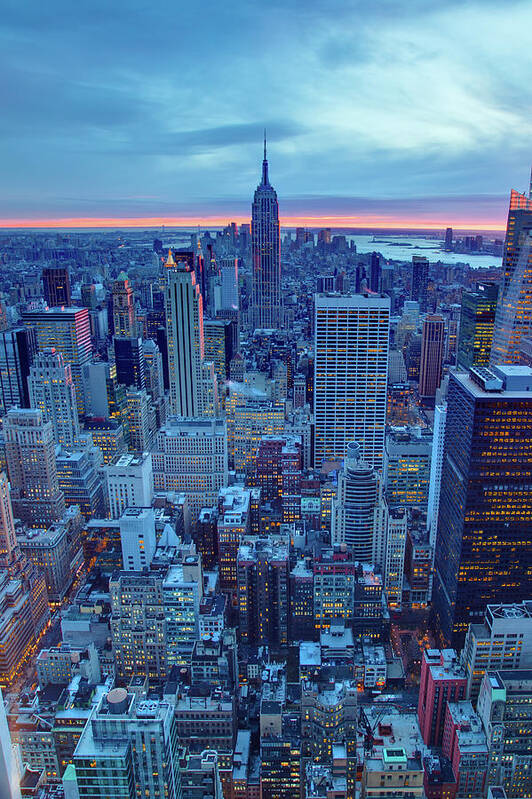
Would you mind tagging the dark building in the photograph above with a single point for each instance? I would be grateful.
(413, 357)
(430, 365)
(17, 349)
(301, 621)
(484, 544)
(129, 359)
(56, 285)
(448, 239)
(420, 279)
(206, 537)
(375, 272)
(262, 578)
(477, 318)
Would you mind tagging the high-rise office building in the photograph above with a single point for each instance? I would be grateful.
(262, 579)
(420, 280)
(448, 239)
(357, 510)
(52, 390)
(9, 776)
(477, 317)
(484, 546)
(129, 481)
(184, 322)
(141, 420)
(30, 453)
(218, 339)
(129, 360)
(138, 538)
(56, 285)
(8, 538)
(436, 466)
(407, 466)
(104, 394)
(190, 456)
(124, 322)
(267, 308)
(17, 350)
(513, 318)
(351, 340)
(128, 747)
(375, 273)
(68, 330)
(430, 367)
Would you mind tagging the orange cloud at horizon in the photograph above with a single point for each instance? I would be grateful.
(333, 221)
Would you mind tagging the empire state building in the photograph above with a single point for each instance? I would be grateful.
(266, 253)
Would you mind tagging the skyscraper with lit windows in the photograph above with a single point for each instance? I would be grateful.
(266, 254)
(351, 342)
(513, 318)
(484, 539)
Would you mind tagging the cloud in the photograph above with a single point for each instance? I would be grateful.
(372, 100)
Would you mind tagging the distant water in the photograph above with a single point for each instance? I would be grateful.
(402, 248)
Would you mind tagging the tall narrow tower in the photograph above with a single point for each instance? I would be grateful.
(513, 317)
(266, 253)
(184, 323)
(124, 323)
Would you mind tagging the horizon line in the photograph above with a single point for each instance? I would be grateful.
(333, 221)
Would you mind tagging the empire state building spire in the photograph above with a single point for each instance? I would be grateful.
(266, 254)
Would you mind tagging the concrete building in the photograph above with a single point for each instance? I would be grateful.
(464, 744)
(137, 535)
(81, 482)
(442, 681)
(351, 342)
(30, 454)
(503, 641)
(190, 457)
(107, 760)
(262, 591)
(141, 420)
(50, 551)
(407, 463)
(430, 367)
(392, 773)
(124, 322)
(9, 772)
(436, 466)
(234, 522)
(52, 390)
(129, 481)
(328, 716)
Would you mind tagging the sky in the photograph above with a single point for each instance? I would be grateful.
(378, 112)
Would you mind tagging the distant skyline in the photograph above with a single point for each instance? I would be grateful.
(389, 114)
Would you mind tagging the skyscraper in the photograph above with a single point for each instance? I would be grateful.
(124, 323)
(430, 367)
(17, 350)
(56, 285)
(52, 391)
(351, 340)
(420, 279)
(184, 321)
(513, 319)
(484, 545)
(266, 254)
(30, 454)
(477, 317)
(68, 330)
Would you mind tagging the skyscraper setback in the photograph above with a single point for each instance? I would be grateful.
(266, 254)
(513, 318)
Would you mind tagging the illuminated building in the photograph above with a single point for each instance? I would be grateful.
(358, 518)
(262, 592)
(138, 624)
(442, 681)
(335, 573)
(30, 453)
(430, 365)
(138, 539)
(301, 593)
(513, 318)
(184, 324)
(391, 767)
(420, 279)
(407, 463)
(207, 722)
(328, 716)
(141, 423)
(505, 708)
(68, 330)
(17, 632)
(50, 551)
(108, 759)
(218, 340)
(436, 466)
(52, 391)
(17, 350)
(399, 399)
(124, 323)
(278, 473)
(393, 563)
(485, 518)
(228, 285)
(153, 369)
(56, 285)
(9, 776)
(129, 481)
(477, 317)
(108, 434)
(105, 396)
(418, 568)
(280, 767)
(254, 417)
(267, 304)
(190, 457)
(350, 375)
(234, 522)
(503, 640)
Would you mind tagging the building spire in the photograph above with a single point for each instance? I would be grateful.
(265, 180)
